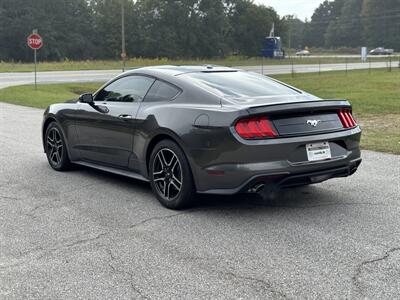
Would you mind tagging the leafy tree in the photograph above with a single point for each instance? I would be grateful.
(319, 24)
(294, 37)
(251, 24)
(381, 23)
(67, 37)
(214, 28)
(107, 26)
(91, 29)
(332, 36)
(201, 28)
(64, 25)
(16, 22)
(350, 25)
(166, 29)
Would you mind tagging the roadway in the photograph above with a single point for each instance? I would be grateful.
(91, 235)
(19, 78)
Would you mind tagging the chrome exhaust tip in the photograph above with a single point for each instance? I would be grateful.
(257, 188)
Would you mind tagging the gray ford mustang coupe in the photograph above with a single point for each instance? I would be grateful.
(204, 129)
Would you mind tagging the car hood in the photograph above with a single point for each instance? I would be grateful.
(244, 102)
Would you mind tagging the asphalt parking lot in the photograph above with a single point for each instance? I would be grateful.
(91, 235)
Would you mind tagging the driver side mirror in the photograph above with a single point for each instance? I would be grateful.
(86, 98)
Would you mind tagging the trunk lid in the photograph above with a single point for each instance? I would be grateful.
(306, 123)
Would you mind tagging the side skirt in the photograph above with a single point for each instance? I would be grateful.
(112, 170)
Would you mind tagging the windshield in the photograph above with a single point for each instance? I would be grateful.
(239, 84)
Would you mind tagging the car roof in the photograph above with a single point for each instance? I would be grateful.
(178, 70)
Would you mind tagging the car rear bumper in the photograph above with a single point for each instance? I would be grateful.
(280, 162)
(281, 180)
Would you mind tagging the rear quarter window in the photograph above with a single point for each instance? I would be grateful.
(161, 91)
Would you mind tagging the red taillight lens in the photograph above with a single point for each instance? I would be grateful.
(346, 118)
(255, 128)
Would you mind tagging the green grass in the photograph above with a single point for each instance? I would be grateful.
(141, 62)
(375, 97)
(46, 94)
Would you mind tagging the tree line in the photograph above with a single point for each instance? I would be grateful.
(349, 23)
(91, 29)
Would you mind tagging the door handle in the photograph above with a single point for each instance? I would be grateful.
(126, 117)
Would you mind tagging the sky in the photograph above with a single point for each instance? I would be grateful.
(302, 8)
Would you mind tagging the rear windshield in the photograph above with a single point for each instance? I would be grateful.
(240, 84)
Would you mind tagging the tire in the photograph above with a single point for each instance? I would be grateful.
(170, 176)
(56, 148)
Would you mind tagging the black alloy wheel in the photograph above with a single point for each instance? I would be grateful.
(56, 149)
(170, 175)
(167, 174)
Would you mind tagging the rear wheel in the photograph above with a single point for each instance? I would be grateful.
(56, 149)
(170, 176)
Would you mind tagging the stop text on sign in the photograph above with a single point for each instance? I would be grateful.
(35, 41)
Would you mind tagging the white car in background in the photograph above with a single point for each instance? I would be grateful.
(303, 53)
(381, 51)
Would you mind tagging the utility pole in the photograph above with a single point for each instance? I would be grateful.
(123, 48)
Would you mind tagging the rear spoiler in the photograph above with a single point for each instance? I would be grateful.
(308, 106)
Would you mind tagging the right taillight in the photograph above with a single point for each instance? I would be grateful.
(346, 118)
(255, 128)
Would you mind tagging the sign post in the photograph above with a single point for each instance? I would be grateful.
(123, 50)
(35, 42)
(364, 54)
(123, 57)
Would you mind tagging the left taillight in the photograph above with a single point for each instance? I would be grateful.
(255, 128)
(346, 118)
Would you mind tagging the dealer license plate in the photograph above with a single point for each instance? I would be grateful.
(318, 151)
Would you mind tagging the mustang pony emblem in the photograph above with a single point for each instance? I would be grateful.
(313, 123)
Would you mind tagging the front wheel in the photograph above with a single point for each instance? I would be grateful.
(56, 149)
(170, 176)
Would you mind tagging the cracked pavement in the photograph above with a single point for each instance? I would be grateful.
(92, 235)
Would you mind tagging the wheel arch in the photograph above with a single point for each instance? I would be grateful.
(46, 124)
(164, 135)
(155, 140)
(50, 119)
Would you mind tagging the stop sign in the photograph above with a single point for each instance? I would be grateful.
(35, 41)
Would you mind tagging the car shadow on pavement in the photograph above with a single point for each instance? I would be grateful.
(297, 197)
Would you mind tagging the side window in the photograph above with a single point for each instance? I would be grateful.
(126, 89)
(161, 91)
